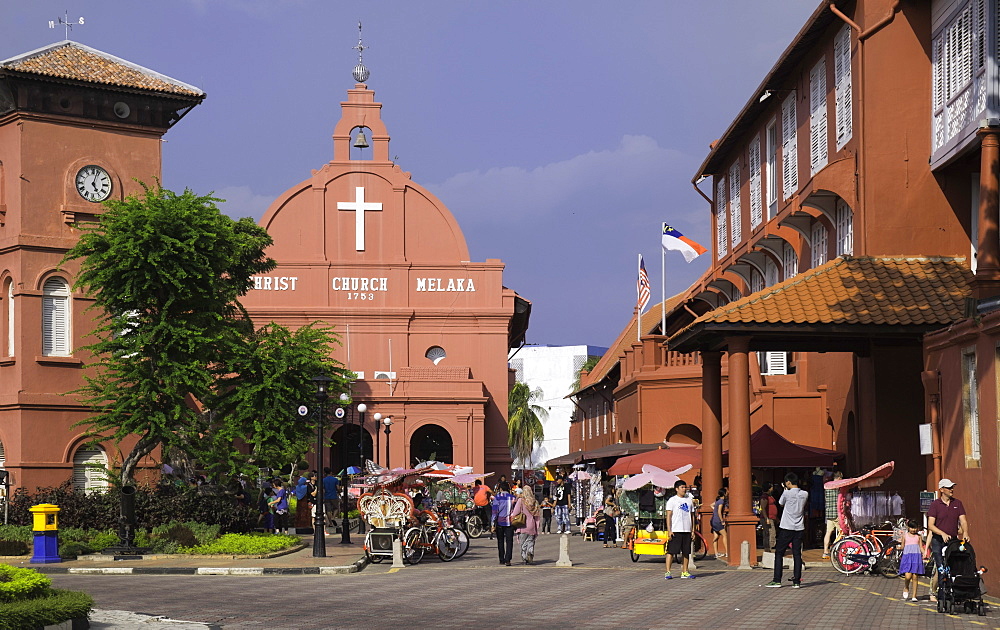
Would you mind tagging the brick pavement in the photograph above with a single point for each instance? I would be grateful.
(603, 589)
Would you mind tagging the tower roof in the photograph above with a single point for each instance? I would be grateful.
(74, 61)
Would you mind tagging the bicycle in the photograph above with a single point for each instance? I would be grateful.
(859, 551)
(444, 541)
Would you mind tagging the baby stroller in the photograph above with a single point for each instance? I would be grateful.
(959, 580)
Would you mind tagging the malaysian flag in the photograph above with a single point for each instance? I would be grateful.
(642, 285)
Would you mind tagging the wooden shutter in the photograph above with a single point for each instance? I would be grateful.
(756, 207)
(55, 318)
(842, 85)
(789, 262)
(86, 476)
(818, 141)
(770, 273)
(845, 228)
(735, 207)
(721, 233)
(818, 244)
(789, 150)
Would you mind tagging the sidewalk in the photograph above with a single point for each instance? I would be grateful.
(339, 558)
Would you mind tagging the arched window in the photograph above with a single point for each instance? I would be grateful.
(90, 466)
(431, 442)
(818, 244)
(55, 318)
(357, 446)
(770, 273)
(9, 317)
(435, 354)
(756, 281)
(789, 262)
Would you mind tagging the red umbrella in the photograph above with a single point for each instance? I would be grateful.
(667, 458)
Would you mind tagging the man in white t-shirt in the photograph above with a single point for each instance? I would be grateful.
(790, 530)
(680, 524)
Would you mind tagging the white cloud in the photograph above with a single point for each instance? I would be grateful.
(241, 201)
(503, 194)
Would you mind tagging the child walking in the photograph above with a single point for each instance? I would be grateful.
(911, 563)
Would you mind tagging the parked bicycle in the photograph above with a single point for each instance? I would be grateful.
(431, 535)
(871, 549)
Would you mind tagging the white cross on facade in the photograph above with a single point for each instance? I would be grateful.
(359, 207)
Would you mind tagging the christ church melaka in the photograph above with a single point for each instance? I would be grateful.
(363, 248)
(359, 247)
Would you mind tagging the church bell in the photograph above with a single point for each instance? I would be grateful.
(361, 142)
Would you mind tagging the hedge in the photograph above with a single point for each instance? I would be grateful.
(55, 607)
(154, 506)
(17, 583)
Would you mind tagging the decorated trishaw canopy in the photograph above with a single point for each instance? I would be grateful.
(870, 479)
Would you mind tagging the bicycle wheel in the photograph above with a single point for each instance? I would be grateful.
(413, 550)
(635, 556)
(474, 526)
(463, 541)
(888, 561)
(849, 555)
(700, 547)
(447, 545)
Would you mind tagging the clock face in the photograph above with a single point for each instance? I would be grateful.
(93, 183)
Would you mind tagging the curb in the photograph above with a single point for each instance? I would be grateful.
(354, 567)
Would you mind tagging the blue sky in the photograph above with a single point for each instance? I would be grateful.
(560, 133)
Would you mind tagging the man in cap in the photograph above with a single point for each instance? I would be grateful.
(945, 520)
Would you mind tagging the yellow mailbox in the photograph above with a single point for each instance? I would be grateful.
(45, 517)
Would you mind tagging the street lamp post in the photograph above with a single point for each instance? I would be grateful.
(362, 408)
(388, 423)
(345, 525)
(319, 531)
(378, 421)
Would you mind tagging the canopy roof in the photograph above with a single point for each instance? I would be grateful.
(667, 458)
(611, 450)
(769, 449)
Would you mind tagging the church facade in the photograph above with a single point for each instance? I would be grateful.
(364, 249)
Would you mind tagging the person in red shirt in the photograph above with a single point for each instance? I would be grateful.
(945, 520)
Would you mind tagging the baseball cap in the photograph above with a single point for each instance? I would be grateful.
(946, 483)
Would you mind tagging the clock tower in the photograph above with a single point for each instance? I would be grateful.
(77, 127)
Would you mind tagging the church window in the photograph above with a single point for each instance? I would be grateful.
(818, 141)
(9, 316)
(435, 354)
(55, 318)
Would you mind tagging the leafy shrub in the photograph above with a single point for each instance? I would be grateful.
(17, 583)
(244, 544)
(74, 548)
(53, 607)
(12, 548)
(20, 533)
(153, 506)
(181, 535)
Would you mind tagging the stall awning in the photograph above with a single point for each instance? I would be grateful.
(667, 458)
(611, 450)
(768, 449)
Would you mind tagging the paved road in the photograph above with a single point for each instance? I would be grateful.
(603, 590)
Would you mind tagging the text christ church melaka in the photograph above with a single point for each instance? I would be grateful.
(361, 247)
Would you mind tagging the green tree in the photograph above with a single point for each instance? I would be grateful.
(588, 365)
(524, 424)
(165, 271)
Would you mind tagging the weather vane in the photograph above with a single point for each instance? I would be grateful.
(360, 73)
(67, 23)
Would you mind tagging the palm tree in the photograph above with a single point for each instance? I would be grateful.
(524, 426)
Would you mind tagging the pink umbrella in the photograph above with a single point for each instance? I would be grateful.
(656, 476)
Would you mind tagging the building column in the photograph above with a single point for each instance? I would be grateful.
(711, 436)
(742, 523)
(987, 282)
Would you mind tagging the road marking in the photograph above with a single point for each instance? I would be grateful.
(393, 570)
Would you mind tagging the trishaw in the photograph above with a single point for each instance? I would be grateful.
(646, 530)
(387, 514)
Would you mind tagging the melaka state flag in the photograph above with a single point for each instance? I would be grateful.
(675, 241)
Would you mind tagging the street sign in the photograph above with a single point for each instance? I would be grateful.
(339, 413)
(303, 410)
(926, 498)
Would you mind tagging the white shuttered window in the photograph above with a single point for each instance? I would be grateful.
(10, 318)
(845, 229)
(756, 207)
(721, 233)
(735, 207)
(818, 243)
(90, 470)
(842, 80)
(789, 150)
(771, 188)
(770, 273)
(55, 318)
(818, 141)
(789, 262)
(959, 64)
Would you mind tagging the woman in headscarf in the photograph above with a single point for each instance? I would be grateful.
(527, 505)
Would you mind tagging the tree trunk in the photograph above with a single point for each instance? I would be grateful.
(143, 447)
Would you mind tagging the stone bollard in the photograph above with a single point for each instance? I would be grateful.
(564, 560)
(397, 554)
(745, 555)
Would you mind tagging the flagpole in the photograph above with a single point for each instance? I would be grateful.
(638, 314)
(663, 289)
